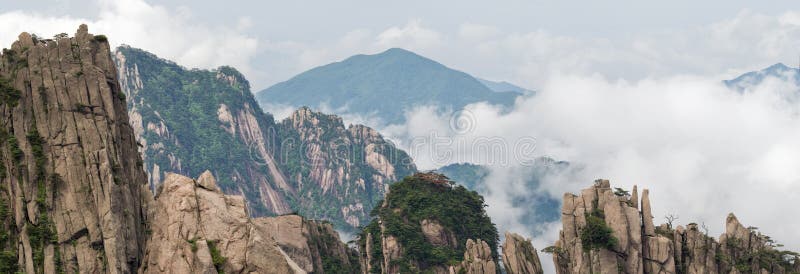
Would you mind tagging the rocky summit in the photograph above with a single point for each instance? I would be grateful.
(612, 231)
(429, 224)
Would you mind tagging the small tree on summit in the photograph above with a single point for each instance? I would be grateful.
(670, 219)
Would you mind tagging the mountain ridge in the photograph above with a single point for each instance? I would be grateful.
(753, 78)
(191, 120)
(382, 85)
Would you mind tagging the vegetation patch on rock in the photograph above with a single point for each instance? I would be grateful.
(428, 196)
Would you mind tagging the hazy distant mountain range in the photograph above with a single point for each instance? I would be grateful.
(753, 78)
(538, 206)
(385, 85)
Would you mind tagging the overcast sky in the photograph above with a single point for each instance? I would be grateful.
(517, 41)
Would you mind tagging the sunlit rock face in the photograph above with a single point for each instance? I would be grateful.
(198, 229)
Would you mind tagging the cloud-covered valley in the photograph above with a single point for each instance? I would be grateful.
(702, 149)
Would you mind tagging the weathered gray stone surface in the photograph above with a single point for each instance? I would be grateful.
(76, 202)
(477, 259)
(519, 256)
(189, 217)
(643, 248)
(193, 218)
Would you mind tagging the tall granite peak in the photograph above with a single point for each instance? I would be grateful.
(72, 189)
(610, 231)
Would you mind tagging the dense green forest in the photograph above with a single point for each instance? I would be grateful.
(428, 196)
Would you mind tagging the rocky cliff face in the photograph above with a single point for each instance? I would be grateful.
(519, 256)
(188, 121)
(477, 259)
(607, 231)
(198, 229)
(342, 172)
(72, 191)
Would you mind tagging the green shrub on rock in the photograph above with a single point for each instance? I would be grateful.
(597, 234)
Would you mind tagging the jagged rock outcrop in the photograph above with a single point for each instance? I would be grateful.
(188, 121)
(604, 231)
(519, 256)
(477, 259)
(198, 229)
(72, 188)
(428, 224)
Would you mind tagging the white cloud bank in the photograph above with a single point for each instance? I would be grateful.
(702, 149)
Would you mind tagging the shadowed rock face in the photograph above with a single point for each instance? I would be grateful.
(198, 229)
(519, 256)
(72, 187)
(640, 247)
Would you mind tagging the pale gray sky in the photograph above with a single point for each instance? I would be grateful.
(517, 41)
(311, 20)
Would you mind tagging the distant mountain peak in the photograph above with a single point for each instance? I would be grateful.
(778, 70)
(778, 66)
(399, 51)
(383, 86)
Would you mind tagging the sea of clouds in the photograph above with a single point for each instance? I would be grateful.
(702, 149)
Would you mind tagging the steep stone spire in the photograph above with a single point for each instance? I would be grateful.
(74, 185)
